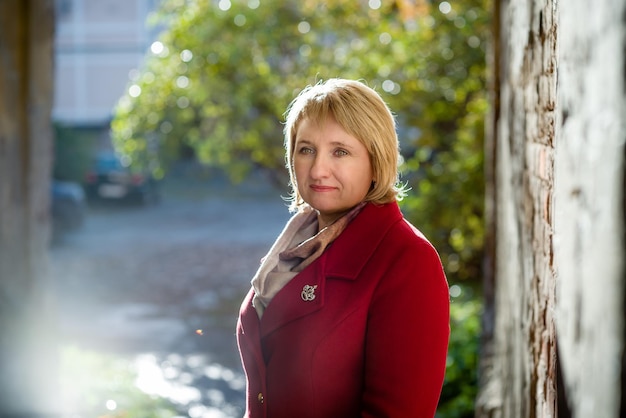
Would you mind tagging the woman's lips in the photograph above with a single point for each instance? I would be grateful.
(318, 188)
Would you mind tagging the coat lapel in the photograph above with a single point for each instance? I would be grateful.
(248, 332)
(348, 255)
(303, 295)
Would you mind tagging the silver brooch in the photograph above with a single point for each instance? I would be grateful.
(308, 293)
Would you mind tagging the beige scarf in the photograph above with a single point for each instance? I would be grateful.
(297, 246)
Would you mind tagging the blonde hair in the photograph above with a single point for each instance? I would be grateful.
(363, 114)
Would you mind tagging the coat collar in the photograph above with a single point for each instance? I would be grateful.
(354, 247)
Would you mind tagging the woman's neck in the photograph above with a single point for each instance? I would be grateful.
(323, 222)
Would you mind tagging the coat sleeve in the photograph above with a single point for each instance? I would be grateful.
(407, 333)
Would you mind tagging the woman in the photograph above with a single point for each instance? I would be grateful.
(348, 314)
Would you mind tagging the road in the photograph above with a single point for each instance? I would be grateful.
(160, 286)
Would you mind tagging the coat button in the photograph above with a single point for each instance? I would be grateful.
(260, 397)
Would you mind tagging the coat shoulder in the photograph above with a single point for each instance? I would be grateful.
(379, 235)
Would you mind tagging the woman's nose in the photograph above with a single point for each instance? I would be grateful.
(320, 167)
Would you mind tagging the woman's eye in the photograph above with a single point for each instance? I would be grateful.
(341, 152)
(305, 150)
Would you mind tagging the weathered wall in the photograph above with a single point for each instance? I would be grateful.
(588, 204)
(557, 196)
(525, 347)
(27, 354)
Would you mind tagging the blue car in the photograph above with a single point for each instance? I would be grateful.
(111, 180)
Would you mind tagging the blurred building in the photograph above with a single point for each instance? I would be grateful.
(97, 45)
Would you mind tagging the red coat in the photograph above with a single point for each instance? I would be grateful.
(371, 343)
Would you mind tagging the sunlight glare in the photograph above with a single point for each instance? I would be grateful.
(445, 7)
(391, 87)
(166, 127)
(384, 38)
(213, 371)
(240, 20)
(150, 380)
(182, 82)
(375, 4)
(216, 396)
(157, 47)
(134, 90)
(111, 405)
(473, 41)
(195, 361)
(224, 5)
(200, 411)
(125, 160)
(357, 44)
(452, 266)
(455, 291)
(182, 102)
(304, 27)
(186, 55)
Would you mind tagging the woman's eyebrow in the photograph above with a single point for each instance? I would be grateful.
(340, 144)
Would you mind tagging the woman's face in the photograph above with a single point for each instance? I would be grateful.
(333, 169)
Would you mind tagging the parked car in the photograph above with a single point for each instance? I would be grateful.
(109, 179)
(68, 205)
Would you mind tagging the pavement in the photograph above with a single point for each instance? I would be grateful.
(159, 287)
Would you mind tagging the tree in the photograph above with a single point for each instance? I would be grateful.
(27, 350)
(222, 74)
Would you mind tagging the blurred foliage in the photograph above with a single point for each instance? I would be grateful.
(73, 148)
(223, 72)
(99, 385)
(461, 382)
